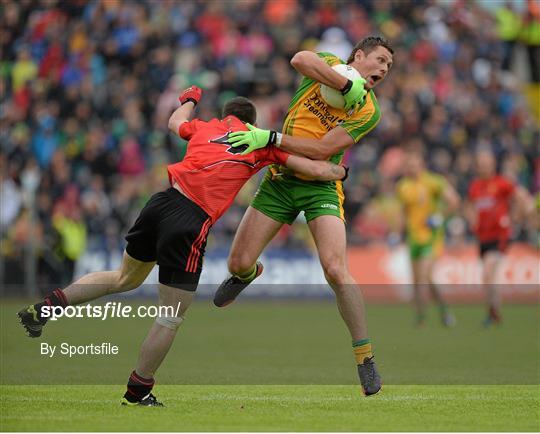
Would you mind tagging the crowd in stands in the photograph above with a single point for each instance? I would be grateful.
(87, 87)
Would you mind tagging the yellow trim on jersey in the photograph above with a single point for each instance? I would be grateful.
(341, 197)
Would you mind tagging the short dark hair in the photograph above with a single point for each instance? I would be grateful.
(242, 108)
(367, 45)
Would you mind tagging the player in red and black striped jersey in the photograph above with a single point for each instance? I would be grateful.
(490, 199)
(172, 228)
(212, 172)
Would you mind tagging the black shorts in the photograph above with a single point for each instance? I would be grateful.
(497, 246)
(171, 230)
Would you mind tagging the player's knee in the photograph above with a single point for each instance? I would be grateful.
(336, 273)
(170, 322)
(239, 263)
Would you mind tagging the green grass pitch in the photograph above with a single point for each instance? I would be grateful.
(275, 408)
(280, 366)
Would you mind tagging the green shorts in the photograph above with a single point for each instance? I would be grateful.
(426, 250)
(284, 197)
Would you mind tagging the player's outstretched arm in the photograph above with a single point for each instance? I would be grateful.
(189, 98)
(334, 141)
(331, 143)
(451, 200)
(318, 170)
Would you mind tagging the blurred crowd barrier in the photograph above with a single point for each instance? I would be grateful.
(87, 88)
(384, 274)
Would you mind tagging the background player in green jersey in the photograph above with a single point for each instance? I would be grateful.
(318, 131)
(424, 196)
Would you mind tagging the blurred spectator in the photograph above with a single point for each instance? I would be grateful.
(508, 28)
(67, 221)
(10, 199)
(531, 38)
(334, 40)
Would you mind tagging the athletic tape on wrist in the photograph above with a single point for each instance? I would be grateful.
(190, 100)
(347, 87)
(272, 138)
(346, 173)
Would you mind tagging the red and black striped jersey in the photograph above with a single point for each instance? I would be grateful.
(212, 172)
(491, 198)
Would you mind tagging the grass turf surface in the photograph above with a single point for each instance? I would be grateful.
(282, 366)
(274, 408)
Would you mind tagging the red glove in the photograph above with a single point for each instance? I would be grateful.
(192, 93)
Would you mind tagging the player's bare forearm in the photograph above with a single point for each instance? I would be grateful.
(312, 148)
(319, 170)
(327, 171)
(180, 115)
(333, 142)
(310, 65)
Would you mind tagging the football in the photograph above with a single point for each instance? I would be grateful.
(332, 96)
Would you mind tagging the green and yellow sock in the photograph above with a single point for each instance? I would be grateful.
(361, 350)
(248, 276)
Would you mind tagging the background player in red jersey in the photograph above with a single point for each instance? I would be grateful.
(172, 228)
(491, 197)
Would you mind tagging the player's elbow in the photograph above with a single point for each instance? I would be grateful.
(174, 124)
(300, 59)
(324, 153)
(329, 147)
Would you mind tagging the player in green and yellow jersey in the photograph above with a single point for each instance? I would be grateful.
(425, 197)
(314, 129)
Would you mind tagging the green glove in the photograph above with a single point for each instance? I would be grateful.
(354, 93)
(253, 139)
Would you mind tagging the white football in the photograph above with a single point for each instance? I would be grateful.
(334, 97)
